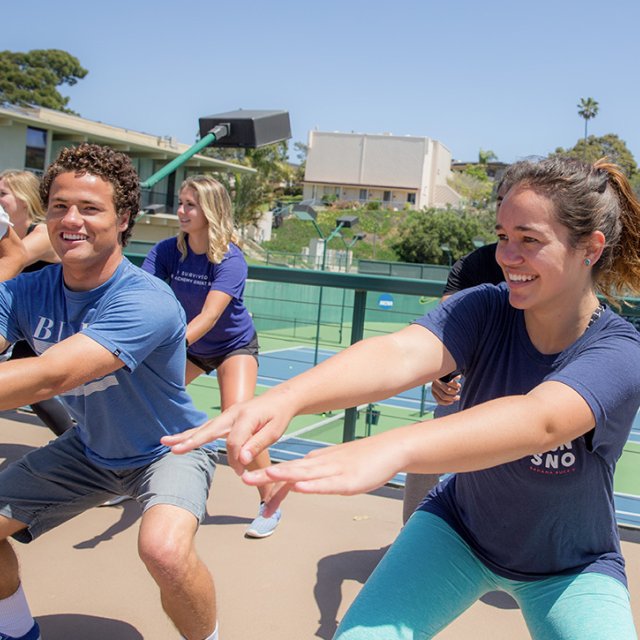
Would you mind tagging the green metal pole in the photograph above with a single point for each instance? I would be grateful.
(357, 333)
(344, 299)
(177, 162)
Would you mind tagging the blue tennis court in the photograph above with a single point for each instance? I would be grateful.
(282, 364)
(627, 510)
(634, 436)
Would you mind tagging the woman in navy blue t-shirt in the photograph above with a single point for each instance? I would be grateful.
(207, 272)
(552, 383)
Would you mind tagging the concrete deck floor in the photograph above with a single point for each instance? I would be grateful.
(84, 579)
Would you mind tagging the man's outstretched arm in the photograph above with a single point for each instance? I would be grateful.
(62, 367)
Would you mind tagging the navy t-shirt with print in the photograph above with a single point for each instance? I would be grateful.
(551, 512)
(192, 279)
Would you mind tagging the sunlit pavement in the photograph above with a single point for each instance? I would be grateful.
(84, 580)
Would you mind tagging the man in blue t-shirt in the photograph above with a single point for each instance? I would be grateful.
(110, 340)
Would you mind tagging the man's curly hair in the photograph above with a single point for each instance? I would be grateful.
(104, 162)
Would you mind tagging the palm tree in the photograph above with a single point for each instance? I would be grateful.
(587, 109)
(484, 157)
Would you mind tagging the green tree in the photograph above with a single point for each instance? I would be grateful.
(297, 174)
(473, 185)
(422, 235)
(302, 151)
(251, 194)
(611, 146)
(32, 77)
(248, 195)
(484, 157)
(377, 224)
(587, 109)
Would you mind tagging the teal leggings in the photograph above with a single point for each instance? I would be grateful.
(430, 576)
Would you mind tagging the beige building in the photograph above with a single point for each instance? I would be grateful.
(31, 137)
(398, 171)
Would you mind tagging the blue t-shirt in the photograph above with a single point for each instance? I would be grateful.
(552, 512)
(192, 279)
(121, 416)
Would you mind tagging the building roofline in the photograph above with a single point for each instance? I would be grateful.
(385, 136)
(76, 129)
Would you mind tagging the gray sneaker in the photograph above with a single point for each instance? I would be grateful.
(263, 527)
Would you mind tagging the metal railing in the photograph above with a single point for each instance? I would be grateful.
(361, 286)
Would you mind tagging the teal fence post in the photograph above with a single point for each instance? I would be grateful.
(177, 162)
(423, 399)
(357, 333)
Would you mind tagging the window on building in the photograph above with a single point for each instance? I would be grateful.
(36, 151)
(411, 198)
(386, 196)
(363, 195)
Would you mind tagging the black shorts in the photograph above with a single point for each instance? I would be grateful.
(210, 364)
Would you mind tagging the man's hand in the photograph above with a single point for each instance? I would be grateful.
(250, 428)
(446, 393)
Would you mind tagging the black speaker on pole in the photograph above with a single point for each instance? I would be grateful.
(250, 128)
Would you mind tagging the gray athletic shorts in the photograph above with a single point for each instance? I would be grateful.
(53, 484)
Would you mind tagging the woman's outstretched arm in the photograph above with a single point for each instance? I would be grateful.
(484, 436)
(367, 371)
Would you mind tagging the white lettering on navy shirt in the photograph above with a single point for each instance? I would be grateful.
(198, 279)
(557, 461)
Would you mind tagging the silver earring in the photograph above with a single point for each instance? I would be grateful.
(587, 262)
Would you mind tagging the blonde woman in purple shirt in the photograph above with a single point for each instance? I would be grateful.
(207, 272)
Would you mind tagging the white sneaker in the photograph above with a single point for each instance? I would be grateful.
(263, 527)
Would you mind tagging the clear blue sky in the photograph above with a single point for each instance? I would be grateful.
(504, 75)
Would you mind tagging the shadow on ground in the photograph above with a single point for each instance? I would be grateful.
(130, 513)
(499, 600)
(332, 572)
(629, 535)
(12, 452)
(74, 627)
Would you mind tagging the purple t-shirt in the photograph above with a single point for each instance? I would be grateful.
(192, 279)
(551, 512)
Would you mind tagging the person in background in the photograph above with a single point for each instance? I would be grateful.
(206, 270)
(110, 340)
(20, 198)
(551, 387)
(13, 255)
